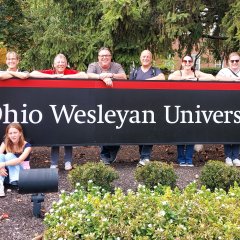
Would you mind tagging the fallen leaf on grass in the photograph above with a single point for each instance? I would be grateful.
(39, 237)
(4, 216)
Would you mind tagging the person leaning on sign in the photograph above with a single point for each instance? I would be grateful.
(5, 75)
(12, 61)
(14, 155)
(59, 71)
(188, 72)
(232, 73)
(146, 72)
(106, 70)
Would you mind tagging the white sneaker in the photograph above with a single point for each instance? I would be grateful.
(182, 164)
(228, 161)
(189, 165)
(144, 161)
(54, 166)
(68, 166)
(105, 160)
(2, 193)
(236, 162)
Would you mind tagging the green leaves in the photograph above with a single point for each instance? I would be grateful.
(14, 32)
(231, 25)
(145, 214)
(99, 174)
(77, 28)
(216, 174)
(155, 173)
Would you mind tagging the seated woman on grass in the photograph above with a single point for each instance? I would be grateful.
(14, 155)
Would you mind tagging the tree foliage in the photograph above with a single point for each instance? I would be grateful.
(78, 28)
(15, 32)
(231, 25)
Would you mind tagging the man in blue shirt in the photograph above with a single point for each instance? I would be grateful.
(146, 72)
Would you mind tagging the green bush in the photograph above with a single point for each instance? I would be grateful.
(216, 174)
(155, 173)
(212, 71)
(100, 174)
(146, 214)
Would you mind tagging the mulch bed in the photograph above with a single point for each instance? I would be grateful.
(16, 216)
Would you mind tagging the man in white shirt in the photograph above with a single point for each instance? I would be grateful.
(232, 73)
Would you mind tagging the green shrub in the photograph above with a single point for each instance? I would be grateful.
(212, 71)
(216, 174)
(146, 214)
(100, 174)
(155, 173)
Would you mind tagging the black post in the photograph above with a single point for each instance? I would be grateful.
(37, 198)
(38, 181)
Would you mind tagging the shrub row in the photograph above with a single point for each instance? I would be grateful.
(215, 174)
(161, 213)
(154, 211)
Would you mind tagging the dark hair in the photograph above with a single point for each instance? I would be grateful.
(192, 68)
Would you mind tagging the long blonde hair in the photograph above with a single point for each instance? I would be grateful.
(9, 144)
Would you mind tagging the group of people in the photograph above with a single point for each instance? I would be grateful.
(15, 151)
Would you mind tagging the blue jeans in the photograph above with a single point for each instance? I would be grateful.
(231, 150)
(55, 154)
(109, 152)
(145, 151)
(13, 171)
(185, 153)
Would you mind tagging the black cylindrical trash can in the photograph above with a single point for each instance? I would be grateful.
(39, 180)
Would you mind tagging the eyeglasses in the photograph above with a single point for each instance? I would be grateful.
(232, 61)
(102, 56)
(187, 61)
(11, 59)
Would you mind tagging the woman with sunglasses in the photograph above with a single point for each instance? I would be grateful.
(188, 72)
(231, 73)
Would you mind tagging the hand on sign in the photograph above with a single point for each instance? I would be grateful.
(108, 82)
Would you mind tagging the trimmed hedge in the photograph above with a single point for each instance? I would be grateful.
(216, 174)
(100, 174)
(154, 173)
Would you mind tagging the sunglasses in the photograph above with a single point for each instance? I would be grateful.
(232, 61)
(187, 61)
